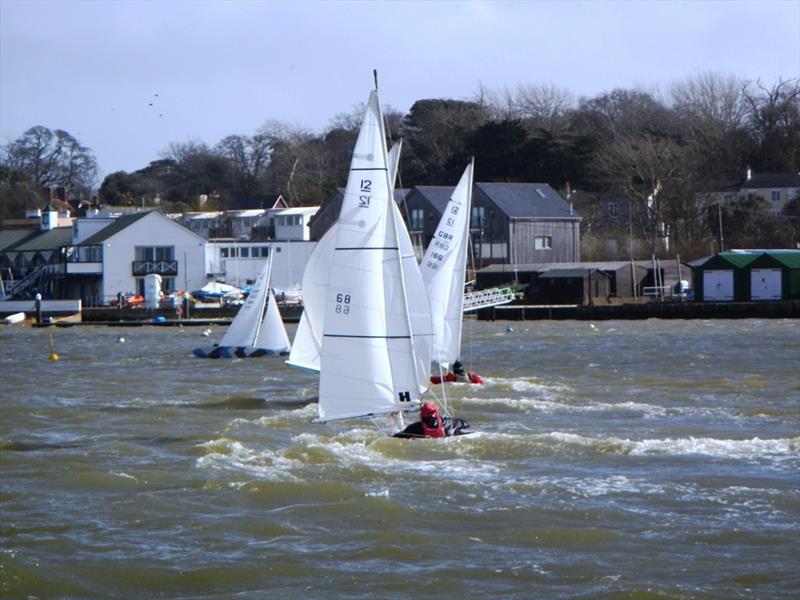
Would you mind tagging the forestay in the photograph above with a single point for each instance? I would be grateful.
(376, 344)
(444, 268)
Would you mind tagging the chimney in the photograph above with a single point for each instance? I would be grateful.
(49, 218)
(749, 173)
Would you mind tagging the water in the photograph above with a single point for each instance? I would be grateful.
(654, 459)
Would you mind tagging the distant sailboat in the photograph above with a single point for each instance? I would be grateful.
(444, 271)
(376, 329)
(257, 329)
(307, 344)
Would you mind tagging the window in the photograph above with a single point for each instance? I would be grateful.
(154, 253)
(612, 208)
(776, 195)
(223, 253)
(543, 242)
(477, 217)
(417, 219)
(244, 252)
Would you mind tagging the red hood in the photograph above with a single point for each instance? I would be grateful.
(431, 420)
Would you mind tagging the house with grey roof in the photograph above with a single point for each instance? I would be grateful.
(777, 188)
(510, 222)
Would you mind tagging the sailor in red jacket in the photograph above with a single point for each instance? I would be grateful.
(458, 374)
(432, 425)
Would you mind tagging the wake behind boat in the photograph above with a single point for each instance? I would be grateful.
(257, 329)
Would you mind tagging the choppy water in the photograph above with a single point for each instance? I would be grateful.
(654, 459)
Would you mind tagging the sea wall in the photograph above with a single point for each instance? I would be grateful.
(647, 310)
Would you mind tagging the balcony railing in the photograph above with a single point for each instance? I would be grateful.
(159, 267)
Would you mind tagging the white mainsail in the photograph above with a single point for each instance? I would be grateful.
(376, 349)
(444, 269)
(308, 337)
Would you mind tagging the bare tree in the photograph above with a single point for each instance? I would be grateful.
(544, 107)
(713, 113)
(249, 156)
(53, 158)
(775, 119)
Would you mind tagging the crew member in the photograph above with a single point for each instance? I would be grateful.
(432, 425)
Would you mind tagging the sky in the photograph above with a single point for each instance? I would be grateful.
(129, 78)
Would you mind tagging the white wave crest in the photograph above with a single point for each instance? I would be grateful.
(226, 454)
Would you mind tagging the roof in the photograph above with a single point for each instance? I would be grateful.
(299, 210)
(118, 225)
(737, 260)
(527, 200)
(615, 265)
(568, 273)
(43, 240)
(790, 260)
(436, 195)
(771, 180)
(249, 212)
(9, 237)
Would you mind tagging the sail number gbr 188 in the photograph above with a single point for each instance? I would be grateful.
(343, 304)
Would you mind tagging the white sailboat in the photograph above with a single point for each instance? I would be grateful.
(307, 343)
(257, 329)
(376, 329)
(444, 271)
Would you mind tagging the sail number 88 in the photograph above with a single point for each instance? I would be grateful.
(343, 304)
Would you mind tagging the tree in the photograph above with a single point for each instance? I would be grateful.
(249, 157)
(775, 121)
(53, 158)
(16, 194)
(436, 130)
(713, 115)
(750, 223)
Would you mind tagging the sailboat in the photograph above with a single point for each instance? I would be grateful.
(376, 329)
(257, 329)
(443, 270)
(307, 344)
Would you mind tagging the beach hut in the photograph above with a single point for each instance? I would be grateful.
(724, 277)
(775, 276)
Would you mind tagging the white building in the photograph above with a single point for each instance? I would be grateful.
(238, 263)
(116, 256)
(291, 223)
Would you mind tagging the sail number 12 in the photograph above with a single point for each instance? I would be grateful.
(343, 304)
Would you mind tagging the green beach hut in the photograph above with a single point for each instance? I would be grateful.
(724, 277)
(775, 276)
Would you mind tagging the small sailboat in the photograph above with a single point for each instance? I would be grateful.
(444, 270)
(376, 331)
(257, 329)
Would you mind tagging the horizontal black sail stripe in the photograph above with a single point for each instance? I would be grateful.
(367, 248)
(369, 337)
(370, 169)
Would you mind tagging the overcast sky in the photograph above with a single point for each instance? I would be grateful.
(212, 69)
